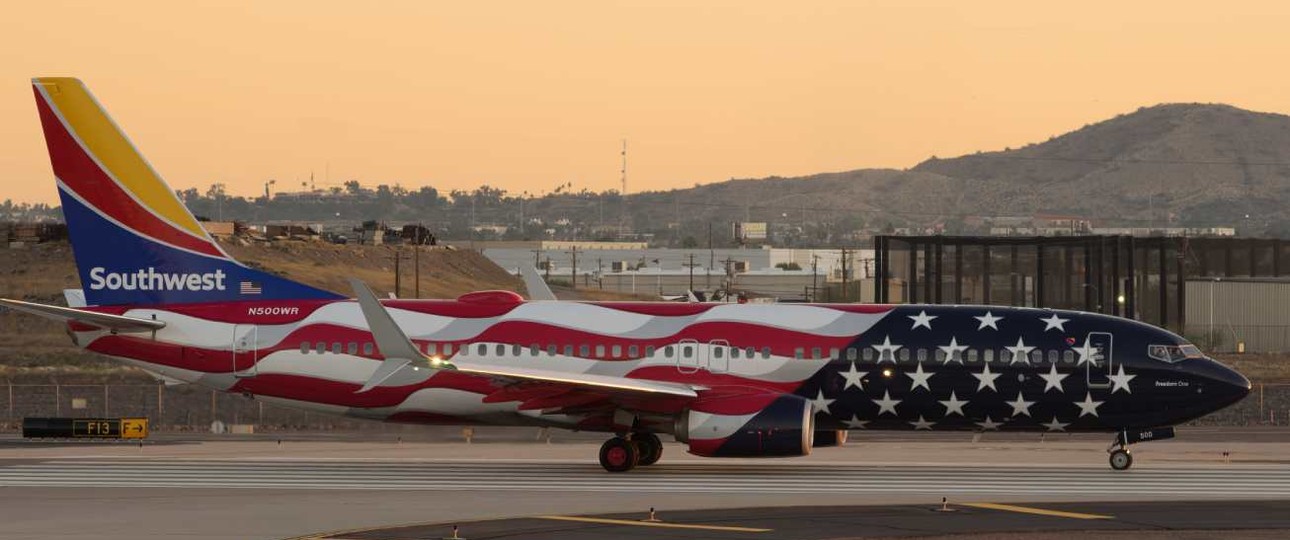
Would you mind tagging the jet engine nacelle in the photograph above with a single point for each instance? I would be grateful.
(751, 425)
(825, 438)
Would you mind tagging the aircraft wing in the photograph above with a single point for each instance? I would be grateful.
(118, 323)
(537, 288)
(400, 352)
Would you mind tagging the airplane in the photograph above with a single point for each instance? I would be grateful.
(725, 379)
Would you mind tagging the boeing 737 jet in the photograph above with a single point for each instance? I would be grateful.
(728, 380)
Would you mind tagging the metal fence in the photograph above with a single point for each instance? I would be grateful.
(192, 408)
(182, 408)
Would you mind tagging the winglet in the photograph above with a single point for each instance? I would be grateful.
(538, 289)
(393, 344)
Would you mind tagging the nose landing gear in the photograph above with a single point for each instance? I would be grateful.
(1120, 457)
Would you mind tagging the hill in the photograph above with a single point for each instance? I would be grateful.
(1193, 164)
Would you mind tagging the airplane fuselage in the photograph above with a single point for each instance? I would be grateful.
(909, 367)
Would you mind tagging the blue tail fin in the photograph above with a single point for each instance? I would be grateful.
(135, 242)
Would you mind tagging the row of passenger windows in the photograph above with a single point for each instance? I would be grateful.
(684, 350)
(687, 350)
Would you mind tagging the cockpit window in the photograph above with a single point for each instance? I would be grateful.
(1174, 353)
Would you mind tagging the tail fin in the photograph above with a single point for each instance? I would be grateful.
(134, 241)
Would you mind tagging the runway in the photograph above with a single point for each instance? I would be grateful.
(235, 488)
(1214, 481)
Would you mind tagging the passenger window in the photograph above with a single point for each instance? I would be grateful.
(335, 347)
(600, 351)
(667, 351)
(584, 351)
(833, 353)
(903, 355)
(367, 348)
(867, 354)
(320, 347)
(534, 350)
(987, 355)
(482, 349)
(1036, 357)
(551, 349)
(1052, 356)
(972, 356)
(633, 351)
(851, 353)
(687, 351)
(815, 353)
(501, 350)
(750, 353)
(616, 351)
(432, 349)
(939, 356)
(765, 353)
(304, 347)
(922, 355)
(734, 352)
(649, 351)
(447, 349)
(798, 353)
(351, 348)
(1005, 357)
(717, 352)
(516, 350)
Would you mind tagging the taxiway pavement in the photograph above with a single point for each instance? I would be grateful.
(262, 489)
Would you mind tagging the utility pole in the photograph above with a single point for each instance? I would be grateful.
(398, 257)
(844, 273)
(712, 259)
(815, 264)
(573, 269)
(690, 264)
(537, 258)
(416, 262)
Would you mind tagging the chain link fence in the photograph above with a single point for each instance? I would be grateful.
(176, 408)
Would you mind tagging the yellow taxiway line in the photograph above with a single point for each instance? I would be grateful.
(654, 524)
(1037, 511)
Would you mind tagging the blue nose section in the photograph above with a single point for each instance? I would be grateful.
(1225, 385)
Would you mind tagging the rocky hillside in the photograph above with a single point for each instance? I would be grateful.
(1186, 163)
(1179, 165)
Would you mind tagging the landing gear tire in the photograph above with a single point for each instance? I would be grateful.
(1121, 459)
(650, 447)
(618, 455)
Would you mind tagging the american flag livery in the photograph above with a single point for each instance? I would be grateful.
(725, 379)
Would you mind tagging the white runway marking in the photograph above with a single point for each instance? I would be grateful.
(1179, 482)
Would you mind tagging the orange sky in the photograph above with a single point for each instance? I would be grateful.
(527, 95)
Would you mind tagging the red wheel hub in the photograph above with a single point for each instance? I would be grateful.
(617, 456)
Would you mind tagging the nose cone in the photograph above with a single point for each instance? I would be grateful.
(1225, 385)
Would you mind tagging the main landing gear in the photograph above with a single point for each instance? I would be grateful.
(1120, 457)
(621, 454)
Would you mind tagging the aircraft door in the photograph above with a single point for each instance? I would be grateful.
(245, 350)
(718, 356)
(688, 355)
(1101, 364)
